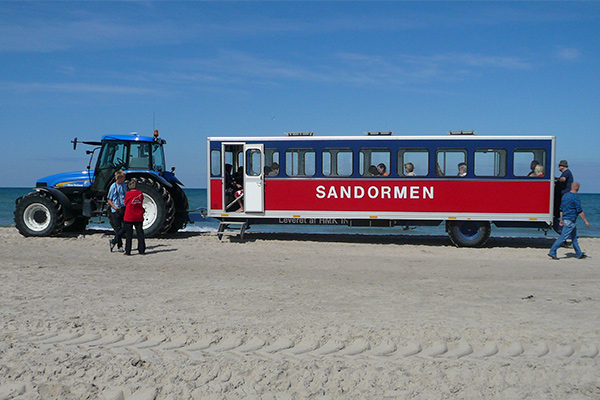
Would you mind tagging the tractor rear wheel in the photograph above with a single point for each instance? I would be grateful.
(39, 214)
(182, 206)
(158, 207)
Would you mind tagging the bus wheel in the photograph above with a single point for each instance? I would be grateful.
(469, 233)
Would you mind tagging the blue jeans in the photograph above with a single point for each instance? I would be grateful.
(569, 230)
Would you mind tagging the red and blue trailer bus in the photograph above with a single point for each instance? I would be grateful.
(466, 181)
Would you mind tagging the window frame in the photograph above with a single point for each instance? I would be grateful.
(218, 162)
(365, 168)
(270, 154)
(503, 159)
(532, 151)
(338, 151)
(295, 150)
(451, 150)
(400, 160)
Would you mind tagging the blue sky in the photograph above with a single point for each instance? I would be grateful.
(87, 69)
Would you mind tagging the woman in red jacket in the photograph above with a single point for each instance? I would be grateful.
(134, 216)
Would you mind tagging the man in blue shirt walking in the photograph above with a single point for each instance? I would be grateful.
(570, 209)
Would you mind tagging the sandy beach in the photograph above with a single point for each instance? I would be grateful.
(297, 316)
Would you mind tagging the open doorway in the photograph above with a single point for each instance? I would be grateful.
(233, 178)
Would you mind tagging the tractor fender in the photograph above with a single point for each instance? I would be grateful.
(170, 177)
(62, 199)
(158, 178)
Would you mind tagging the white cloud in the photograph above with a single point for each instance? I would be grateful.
(84, 32)
(568, 53)
(90, 88)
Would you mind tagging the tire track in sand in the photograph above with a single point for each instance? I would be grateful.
(154, 348)
(240, 345)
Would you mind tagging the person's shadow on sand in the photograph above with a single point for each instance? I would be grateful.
(153, 249)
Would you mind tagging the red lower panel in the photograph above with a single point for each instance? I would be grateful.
(529, 197)
(216, 194)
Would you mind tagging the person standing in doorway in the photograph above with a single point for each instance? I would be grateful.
(116, 201)
(570, 209)
(134, 217)
(565, 180)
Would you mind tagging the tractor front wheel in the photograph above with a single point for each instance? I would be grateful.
(39, 214)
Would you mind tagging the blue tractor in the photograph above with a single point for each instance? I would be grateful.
(66, 202)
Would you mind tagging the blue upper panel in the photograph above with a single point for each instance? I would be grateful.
(434, 146)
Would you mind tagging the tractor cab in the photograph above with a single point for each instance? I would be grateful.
(131, 153)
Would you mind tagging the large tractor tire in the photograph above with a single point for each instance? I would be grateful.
(39, 214)
(159, 210)
(469, 233)
(182, 207)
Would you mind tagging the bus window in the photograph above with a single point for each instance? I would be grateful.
(525, 161)
(271, 162)
(490, 162)
(337, 162)
(215, 163)
(371, 159)
(449, 161)
(413, 162)
(240, 159)
(300, 162)
(253, 162)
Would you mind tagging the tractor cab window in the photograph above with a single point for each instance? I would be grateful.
(113, 155)
(139, 156)
(158, 158)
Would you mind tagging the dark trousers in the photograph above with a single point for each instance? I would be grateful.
(116, 218)
(129, 236)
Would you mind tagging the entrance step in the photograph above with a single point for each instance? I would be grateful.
(231, 228)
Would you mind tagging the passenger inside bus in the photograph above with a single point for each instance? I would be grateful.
(438, 170)
(373, 171)
(382, 170)
(409, 169)
(229, 189)
(274, 169)
(238, 183)
(234, 189)
(540, 171)
(533, 165)
(462, 169)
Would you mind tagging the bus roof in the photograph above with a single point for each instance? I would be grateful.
(378, 137)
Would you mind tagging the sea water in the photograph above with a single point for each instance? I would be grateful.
(197, 200)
